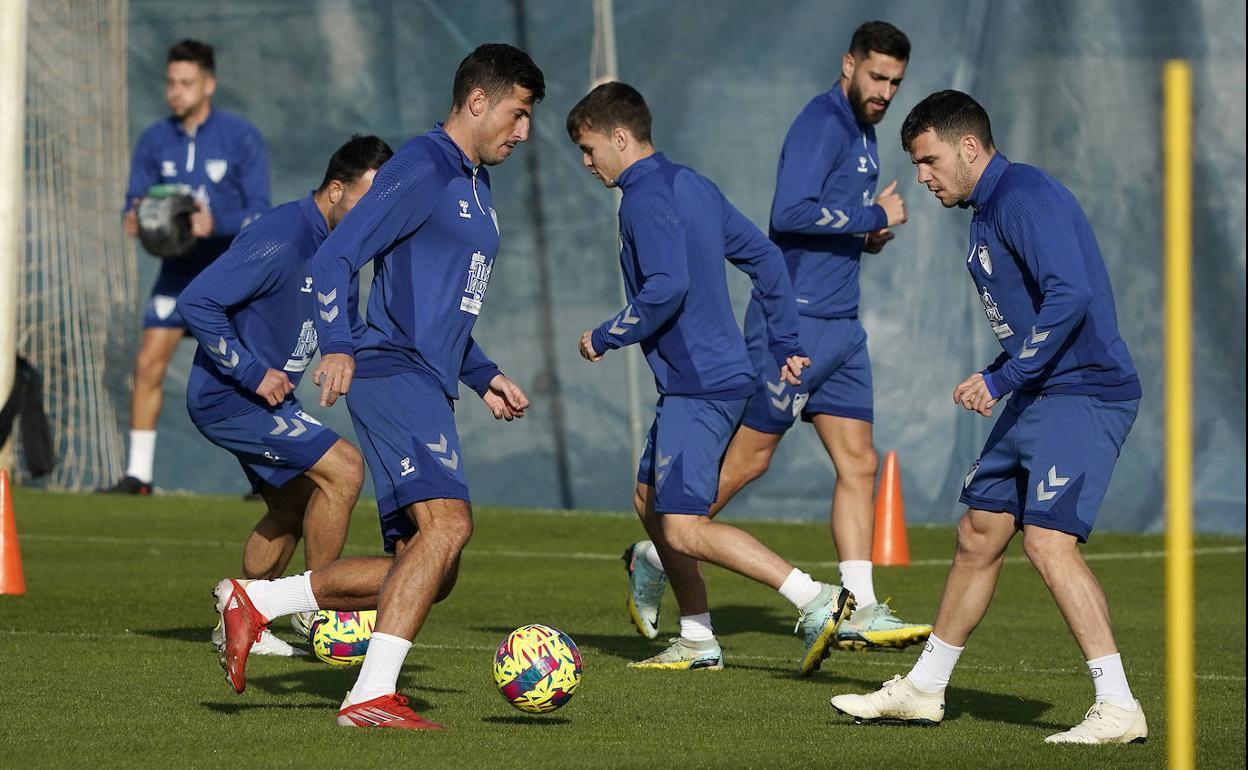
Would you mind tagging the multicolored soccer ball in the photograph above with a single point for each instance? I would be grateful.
(537, 668)
(341, 638)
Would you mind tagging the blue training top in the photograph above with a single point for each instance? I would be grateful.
(1045, 290)
(676, 228)
(429, 226)
(251, 311)
(224, 163)
(825, 201)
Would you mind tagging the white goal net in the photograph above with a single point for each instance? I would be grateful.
(77, 278)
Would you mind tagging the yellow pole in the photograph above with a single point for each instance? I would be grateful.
(1180, 592)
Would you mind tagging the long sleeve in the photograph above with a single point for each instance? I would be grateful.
(253, 163)
(1044, 236)
(811, 151)
(235, 278)
(478, 370)
(144, 171)
(659, 240)
(756, 256)
(395, 206)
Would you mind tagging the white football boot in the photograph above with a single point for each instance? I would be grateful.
(1107, 723)
(897, 701)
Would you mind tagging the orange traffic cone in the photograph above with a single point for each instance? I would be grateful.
(11, 579)
(890, 547)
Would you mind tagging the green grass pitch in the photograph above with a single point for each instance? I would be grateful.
(105, 660)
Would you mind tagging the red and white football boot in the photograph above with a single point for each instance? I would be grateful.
(243, 626)
(384, 711)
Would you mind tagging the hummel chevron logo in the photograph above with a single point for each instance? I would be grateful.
(229, 361)
(781, 403)
(836, 218)
(295, 427)
(1035, 339)
(777, 388)
(329, 315)
(1055, 481)
(626, 319)
(662, 467)
(439, 449)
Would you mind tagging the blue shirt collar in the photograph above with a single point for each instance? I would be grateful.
(445, 141)
(988, 181)
(639, 169)
(313, 213)
(176, 122)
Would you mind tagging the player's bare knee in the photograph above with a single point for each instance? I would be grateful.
(860, 466)
(974, 544)
(456, 530)
(1049, 555)
(149, 368)
(682, 533)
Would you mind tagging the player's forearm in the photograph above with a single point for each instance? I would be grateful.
(810, 216)
(652, 308)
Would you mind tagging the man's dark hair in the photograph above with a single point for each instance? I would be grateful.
(880, 37)
(194, 52)
(952, 115)
(356, 158)
(495, 68)
(610, 106)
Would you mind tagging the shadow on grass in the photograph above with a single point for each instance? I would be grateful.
(535, 720)
(193, 634)
(231, 708)
(738, 618)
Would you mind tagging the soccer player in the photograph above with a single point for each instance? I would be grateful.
(676, 228)
(1073, 393)
(824, 215)
(429, 227)
(251, 311)
(222, 158)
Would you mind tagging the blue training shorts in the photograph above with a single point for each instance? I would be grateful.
(1049, 458)
(161, 311)
(684, 450)
(273, 446)
(406, 428)
(837, 382)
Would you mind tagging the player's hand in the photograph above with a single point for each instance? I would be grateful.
(333, 376)
(874, 242)
(973, 396)
(274, 387)
(892, 203)
(131, 220)
(587, 347)
(201, 221)
(505, 399)
(791, 372)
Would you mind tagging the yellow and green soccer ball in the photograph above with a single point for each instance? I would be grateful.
(341, 638)
(537, 668)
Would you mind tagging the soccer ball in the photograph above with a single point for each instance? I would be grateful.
(537, 668)
(341, 638)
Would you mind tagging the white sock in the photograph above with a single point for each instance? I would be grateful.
(142, 455)
(932, 670)
(284, 596)
(800, 588)
(651, 555)
(380, 673)
(696, 628)
(1110, 681)
(856, 576)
